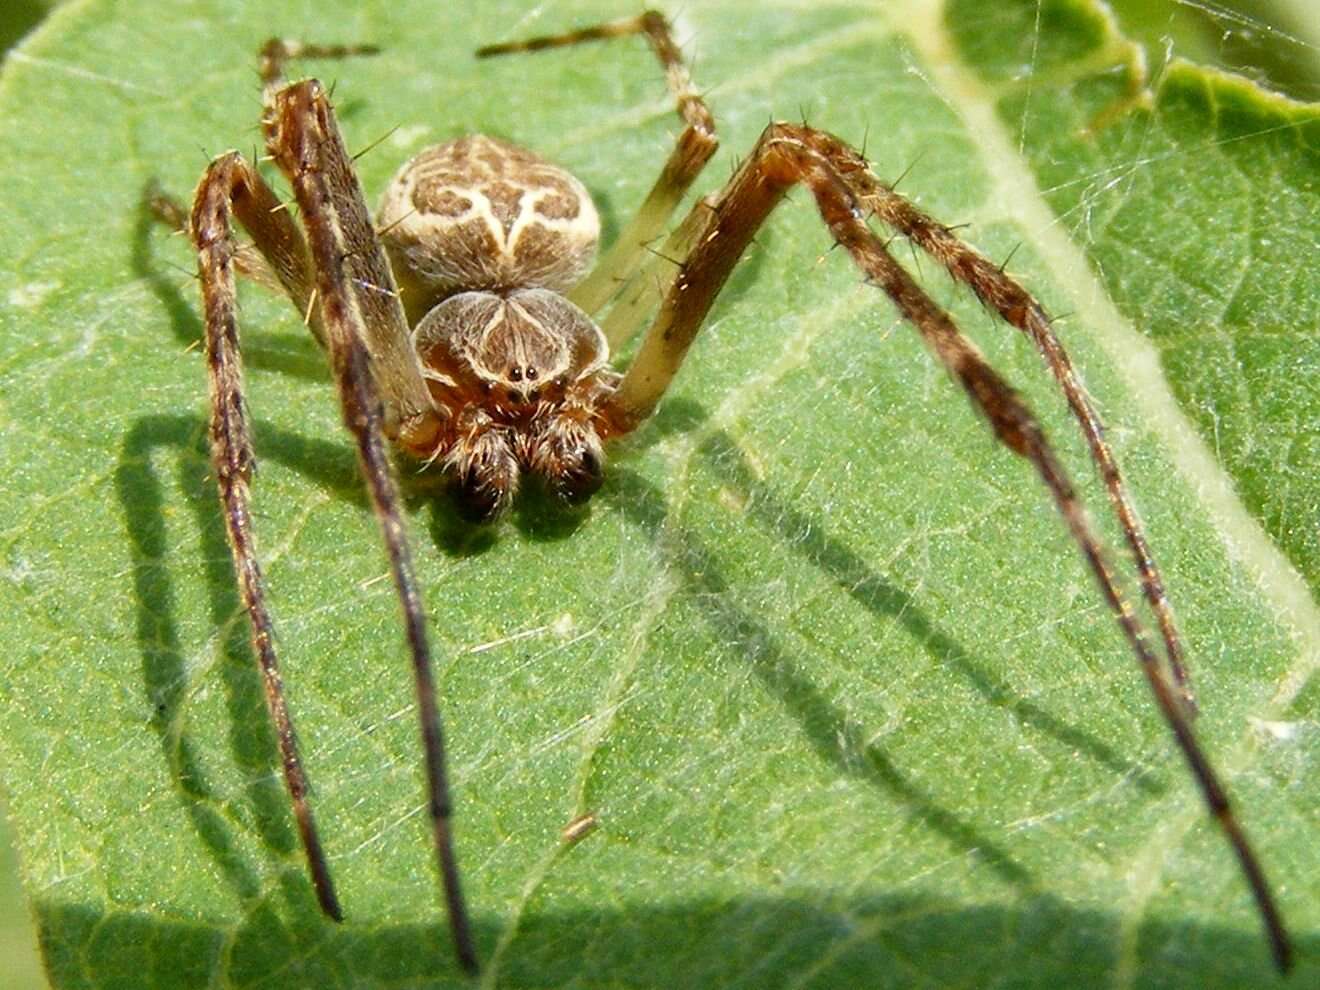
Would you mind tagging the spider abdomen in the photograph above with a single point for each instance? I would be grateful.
(479, 213)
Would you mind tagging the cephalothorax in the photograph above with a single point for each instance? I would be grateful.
(460, 326)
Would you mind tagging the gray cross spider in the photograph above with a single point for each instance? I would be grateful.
(458, 326)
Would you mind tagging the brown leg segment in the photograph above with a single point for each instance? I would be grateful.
(277, 52)
(374, 366)
(1002, 294)
(785, 156)
(247, 260)
(303, 139)
(345, 286)
(640, 295)
(231, 188)
(694, 148)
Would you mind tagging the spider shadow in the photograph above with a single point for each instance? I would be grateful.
(166, 669)
(809, 537)
(168, 683)
(765, 941)
(835, 737)
(293, 354)
(770, 943)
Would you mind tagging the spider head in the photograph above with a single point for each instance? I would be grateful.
(521, 375)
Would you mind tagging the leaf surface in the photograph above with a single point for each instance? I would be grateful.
(820, 657)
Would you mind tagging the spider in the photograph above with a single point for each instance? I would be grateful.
(459, 327)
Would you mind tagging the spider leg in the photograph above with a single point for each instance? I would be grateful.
(231, 188)
(341, 276)
(282, 238)
(375, 366)
(357, 287)
(639, 296)
(277, 52)
(790, 154)
(1004, 295)
(691, 152)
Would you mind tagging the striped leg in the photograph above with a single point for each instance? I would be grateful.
(691, 152)
(837, 178)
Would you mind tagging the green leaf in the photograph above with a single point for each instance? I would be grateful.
(18, 17)
(820, 657)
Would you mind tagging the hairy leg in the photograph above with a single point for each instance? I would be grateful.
(1017, 307)
(788, 155)
(691, 152)
(381, 391)
(231, 188)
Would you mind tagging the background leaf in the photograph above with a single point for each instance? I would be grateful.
(819, 657)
